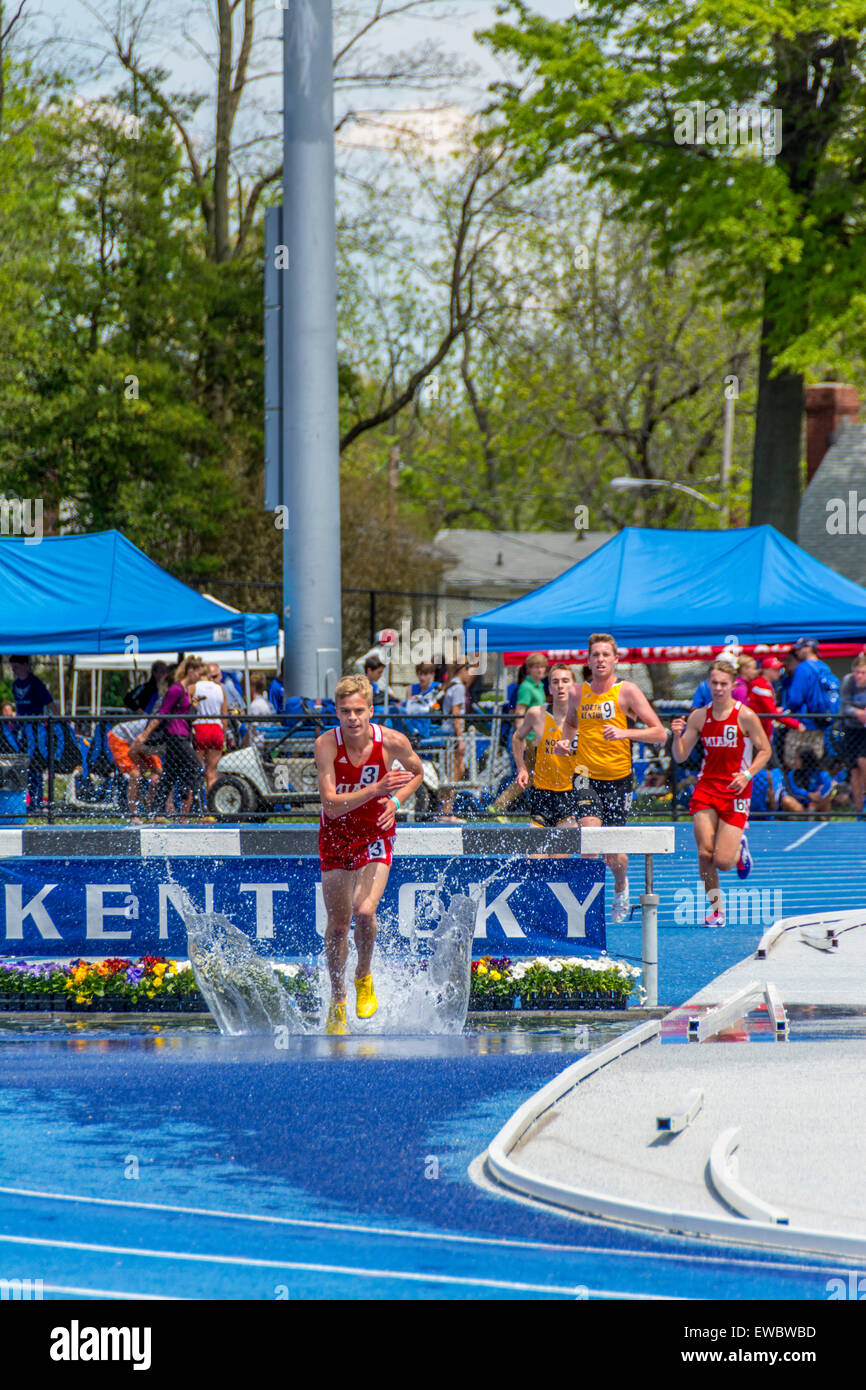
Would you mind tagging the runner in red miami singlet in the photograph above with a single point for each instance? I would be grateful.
(729, 731)
(363, 771)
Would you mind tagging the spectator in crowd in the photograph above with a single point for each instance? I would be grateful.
(422, 697)
(766, 791)
(135, 763)
(180, 765)
(143, 697)
(260, 704)
(10, 729)
(531, 691)
(741, 684)
(425, 689)
(374, 670)
(760, 695)
(31, 698)
(234, 698)
(805, 695)
(789, 665)
(454, 707)
(806, 787)
(276, 692)
(209, 729)
(854, 723)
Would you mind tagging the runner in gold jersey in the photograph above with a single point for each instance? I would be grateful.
(552, 800)
(599, 725)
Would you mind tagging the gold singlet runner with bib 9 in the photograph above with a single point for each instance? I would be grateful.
(553, 773)
(609, 760)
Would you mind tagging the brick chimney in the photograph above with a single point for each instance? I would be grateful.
(829, 406)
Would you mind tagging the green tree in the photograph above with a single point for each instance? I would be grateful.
(609, 92)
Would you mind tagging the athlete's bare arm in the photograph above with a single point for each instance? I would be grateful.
(398, 749)
(753, 728)
(532, 723)
(686, 733)
(566, 744)
(635, 705)
(336, 804)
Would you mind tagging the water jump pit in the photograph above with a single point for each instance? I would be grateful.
(162, 1157)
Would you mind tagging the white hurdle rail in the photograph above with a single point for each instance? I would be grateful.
(647, 840)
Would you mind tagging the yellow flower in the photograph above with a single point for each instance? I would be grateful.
(81, 998)
(482, 970)
(149, 993)
(495, 975)
(160, 969)
(157, 983)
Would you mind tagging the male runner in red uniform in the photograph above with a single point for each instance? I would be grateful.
(720, 801)
(362, 768)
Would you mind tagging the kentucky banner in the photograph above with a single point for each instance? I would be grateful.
(60, 908)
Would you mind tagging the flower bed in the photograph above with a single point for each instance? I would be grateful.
(116, 985)
(151, 984)
(553, 982)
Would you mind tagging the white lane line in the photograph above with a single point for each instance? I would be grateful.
(572, 1290)
(356, 1228)
(112, 1293)
(822, 825)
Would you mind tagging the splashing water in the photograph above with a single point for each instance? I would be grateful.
(420, 995)
(245, 995)
(242, 991)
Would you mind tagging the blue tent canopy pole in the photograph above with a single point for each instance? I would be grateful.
(683, 588)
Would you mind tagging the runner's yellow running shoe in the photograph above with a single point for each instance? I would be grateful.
(366, 1003)
(337, 1019)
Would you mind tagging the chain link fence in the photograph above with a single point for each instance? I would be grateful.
(56, 769)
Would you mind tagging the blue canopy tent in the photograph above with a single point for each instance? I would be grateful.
(70, 594)
(683, 588)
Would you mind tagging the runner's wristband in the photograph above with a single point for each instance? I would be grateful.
(395, 801)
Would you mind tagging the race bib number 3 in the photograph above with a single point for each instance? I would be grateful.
(377, 850)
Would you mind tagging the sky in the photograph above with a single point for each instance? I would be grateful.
(77, 29)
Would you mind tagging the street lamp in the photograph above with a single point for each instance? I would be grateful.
(633, 484)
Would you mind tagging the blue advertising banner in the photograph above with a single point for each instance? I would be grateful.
(51, 907)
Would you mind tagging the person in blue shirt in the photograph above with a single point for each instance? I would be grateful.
(276, 693)
(31, 697)
(806, 786)
(702, 695)
(767, 787)
(804, 696)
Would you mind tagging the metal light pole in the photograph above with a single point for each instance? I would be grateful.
(727, 451)
(636, 484)
(309, 451)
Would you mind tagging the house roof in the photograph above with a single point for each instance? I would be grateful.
(832, 520)
(512, 561)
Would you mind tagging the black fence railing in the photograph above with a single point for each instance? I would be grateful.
(57, 768)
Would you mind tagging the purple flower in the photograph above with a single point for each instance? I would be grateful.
(134, 974)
